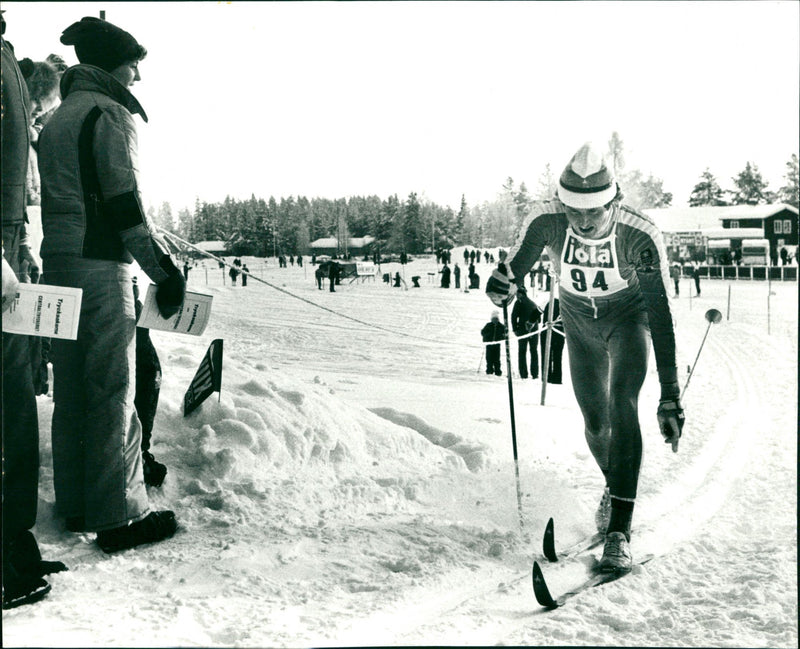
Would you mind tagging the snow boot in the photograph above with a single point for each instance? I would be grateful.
(616, 554)
(23, 591)
(153, 471)
(155, 527)
(603, 514)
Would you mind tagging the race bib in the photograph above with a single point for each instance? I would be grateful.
(589, 267)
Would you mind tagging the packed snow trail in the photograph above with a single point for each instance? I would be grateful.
(352, 488)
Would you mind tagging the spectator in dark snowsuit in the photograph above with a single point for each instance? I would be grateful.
(445, 276)
(492, 331)
(525, 317)
(234, 273)
(457, 275)
(245, 273)
(319, 273)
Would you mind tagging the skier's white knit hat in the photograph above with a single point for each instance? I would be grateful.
(587, 182)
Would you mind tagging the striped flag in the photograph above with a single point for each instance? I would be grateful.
(207, 379)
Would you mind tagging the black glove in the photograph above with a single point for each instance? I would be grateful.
(670, 421)
(498, 288)
(170, 294)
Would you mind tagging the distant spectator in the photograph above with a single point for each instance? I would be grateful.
(525, 318)
(186, 271)
(245, 273)
(492, 331)
(333, 274)
(457, 275)
(233, 273)
(675, 274)
(696, 276)
(319, 274)
(299, 261)
(397, 279)
(445, 276)
(784, 256)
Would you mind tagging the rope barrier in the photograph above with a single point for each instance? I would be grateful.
(371, 325)
(177, 242)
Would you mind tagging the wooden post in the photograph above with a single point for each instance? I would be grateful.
(548, 339)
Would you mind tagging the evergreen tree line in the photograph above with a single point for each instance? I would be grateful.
(287, 226)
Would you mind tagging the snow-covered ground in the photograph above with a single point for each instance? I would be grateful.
(354, 485)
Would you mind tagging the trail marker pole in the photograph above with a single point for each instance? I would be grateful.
(728, 317)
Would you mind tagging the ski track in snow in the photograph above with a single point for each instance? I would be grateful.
(350, 487)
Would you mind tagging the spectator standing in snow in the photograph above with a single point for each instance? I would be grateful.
(696, 276)
(245, 273)
(23, 568)
(94, 227)
(675, 274)
(445, 276)
(233, 273)
(148, 388)
(525, 317)
(613, 278)
(333, 274)
(319, 274)
(493, 331)
(457, 275)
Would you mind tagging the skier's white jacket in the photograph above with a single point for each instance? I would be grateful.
(624, 271)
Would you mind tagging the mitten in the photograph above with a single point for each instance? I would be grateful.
(170, 293)
(498, 288)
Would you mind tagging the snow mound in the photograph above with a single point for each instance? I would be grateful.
(475, 456)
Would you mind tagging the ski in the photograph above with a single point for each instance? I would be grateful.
(545, 599)
(549, 543)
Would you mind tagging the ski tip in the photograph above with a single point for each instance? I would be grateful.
(549, 542)
(540, 589)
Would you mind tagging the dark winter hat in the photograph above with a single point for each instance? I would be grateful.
(100, 43)
(587, 182)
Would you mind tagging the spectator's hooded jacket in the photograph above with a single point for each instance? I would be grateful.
(88, 159)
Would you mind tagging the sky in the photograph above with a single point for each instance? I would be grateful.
(334, 99)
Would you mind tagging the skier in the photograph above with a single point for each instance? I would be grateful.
(612, 271)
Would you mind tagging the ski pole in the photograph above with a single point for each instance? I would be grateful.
(513, 424)
(713, 316)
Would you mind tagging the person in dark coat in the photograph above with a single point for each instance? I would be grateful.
(525, 317)
(696, 276)
(445, 276)
(492, 331)
(245, 273)
(319, 273)
(148, 388)
(457, 275)
(23, 567)
(333, 274)
(233, 273)
(556, 344)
